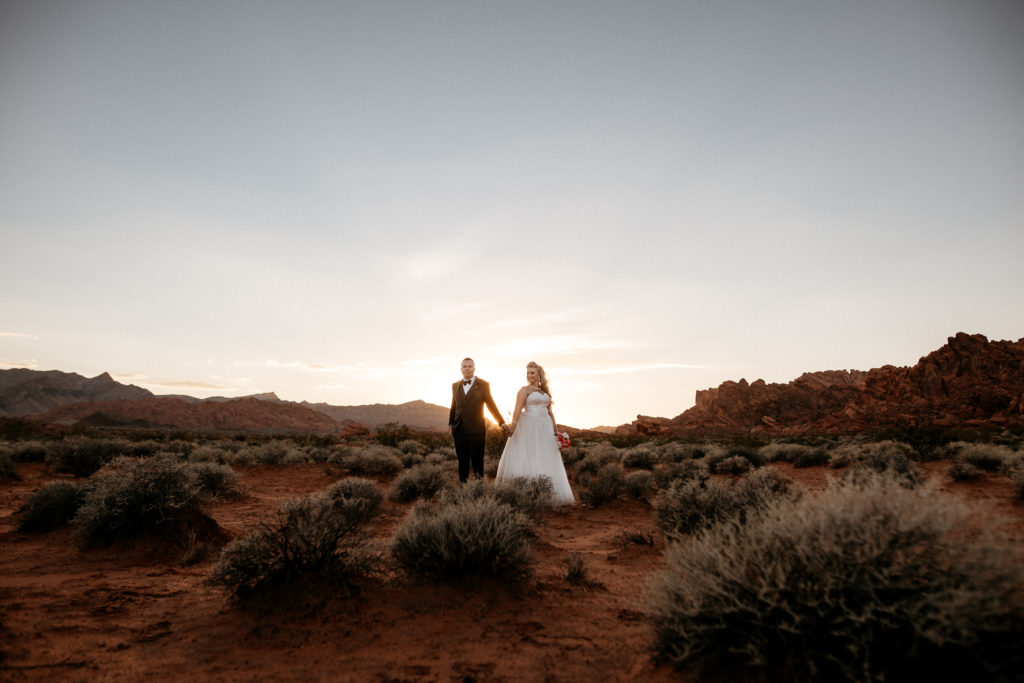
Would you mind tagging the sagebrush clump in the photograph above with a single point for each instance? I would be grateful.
(869, 581)
(687, 506)
(606, 486)
(378, 460)
(420, 481)
(50, 507)
(313, 542)
(130, 497)
(466, 537)
(82, 456)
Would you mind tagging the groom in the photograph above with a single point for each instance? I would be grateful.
(466, 420)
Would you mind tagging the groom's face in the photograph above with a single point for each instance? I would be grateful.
(468, 368)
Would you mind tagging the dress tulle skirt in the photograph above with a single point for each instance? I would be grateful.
(532, 451)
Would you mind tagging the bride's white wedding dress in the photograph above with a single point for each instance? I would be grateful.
(532, 450)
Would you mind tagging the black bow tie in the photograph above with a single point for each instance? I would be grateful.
(467, 381)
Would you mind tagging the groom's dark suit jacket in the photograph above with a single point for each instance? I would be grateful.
(468, 408)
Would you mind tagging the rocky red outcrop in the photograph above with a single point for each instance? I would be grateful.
(243, 414)
(970, 381)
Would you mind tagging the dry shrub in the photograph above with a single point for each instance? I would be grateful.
(7, 470)
(962, 471)
(984, 456)
(603, 488)
(28, 451)
(681, 452)
(892, 457)
(376, 460)
(869, 581)
(577, 574)
(50, 507)
(638, 484)
(734, 464)
(642, 457)
(131, 497)
(314, 542)
(82, 456)
(463, 537)
(412, 446)
(687, 506)
(596, 456)
(529, 495)
(216, 480)
(421, 481)
(684, 470)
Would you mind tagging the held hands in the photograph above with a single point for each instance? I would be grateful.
(509, 428)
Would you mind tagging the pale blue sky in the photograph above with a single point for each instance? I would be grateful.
(338, 201)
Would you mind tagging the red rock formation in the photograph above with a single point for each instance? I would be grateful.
(243, 414)
(970, 382)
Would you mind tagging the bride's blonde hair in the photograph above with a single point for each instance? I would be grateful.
(542, 378)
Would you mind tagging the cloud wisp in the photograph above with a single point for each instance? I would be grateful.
(18, 335)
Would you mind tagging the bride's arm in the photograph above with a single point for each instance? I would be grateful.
(520, 404)
(554, 425)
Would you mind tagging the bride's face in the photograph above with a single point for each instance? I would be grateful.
(531, 375)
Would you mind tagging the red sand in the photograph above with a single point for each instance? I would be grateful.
(131, 613)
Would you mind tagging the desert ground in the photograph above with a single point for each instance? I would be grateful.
(133, 611)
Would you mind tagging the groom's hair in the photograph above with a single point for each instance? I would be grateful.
(469, 359)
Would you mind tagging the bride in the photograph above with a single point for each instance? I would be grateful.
(532, 449)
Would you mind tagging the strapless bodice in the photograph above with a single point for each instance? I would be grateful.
(537, 402)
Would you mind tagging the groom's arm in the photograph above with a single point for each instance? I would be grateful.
(451, 413)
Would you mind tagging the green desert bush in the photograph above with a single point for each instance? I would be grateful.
(962, 471)
(641, 457)
(421, 481)
(50, 507)
(82, 456)
(454, 539)
(316, 541)
(606, 486)
(687, 506)
(638, 484)
(216, 480)
(130, 497)
(376, 460)
(868, 581)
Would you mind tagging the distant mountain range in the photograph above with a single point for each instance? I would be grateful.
(70, 398)
(969, 382)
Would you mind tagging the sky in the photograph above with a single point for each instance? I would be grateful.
(338, 201)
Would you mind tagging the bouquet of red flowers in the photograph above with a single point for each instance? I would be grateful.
(563, 440)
